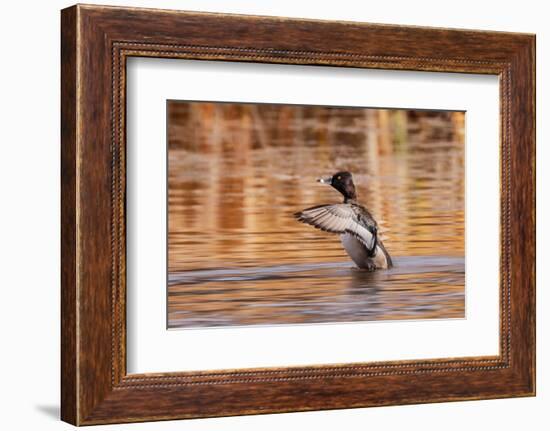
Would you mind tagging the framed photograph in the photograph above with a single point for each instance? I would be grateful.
(264, 214)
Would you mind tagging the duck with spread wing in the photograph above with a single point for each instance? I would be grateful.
(353, 222)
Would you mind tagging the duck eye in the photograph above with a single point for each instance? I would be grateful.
(339, 177)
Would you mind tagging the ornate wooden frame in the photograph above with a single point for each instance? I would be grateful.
(95, 42)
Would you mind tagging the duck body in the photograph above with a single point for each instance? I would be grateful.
(357, 228)
(360, 255)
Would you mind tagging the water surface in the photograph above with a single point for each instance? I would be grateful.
(237, 173)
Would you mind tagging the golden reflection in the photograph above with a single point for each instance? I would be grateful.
(237, 173)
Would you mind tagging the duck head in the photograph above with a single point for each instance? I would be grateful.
(343, 182)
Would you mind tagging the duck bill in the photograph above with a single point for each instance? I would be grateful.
(325, 180)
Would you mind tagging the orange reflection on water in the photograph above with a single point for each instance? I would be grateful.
(237, 173)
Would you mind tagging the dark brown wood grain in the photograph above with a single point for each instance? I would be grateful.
(68, 216)
(96, 41)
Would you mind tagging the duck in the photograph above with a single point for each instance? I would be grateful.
(356, 226)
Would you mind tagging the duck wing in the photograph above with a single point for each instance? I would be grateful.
(343, 218)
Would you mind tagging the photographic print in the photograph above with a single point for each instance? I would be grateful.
(297, 214)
